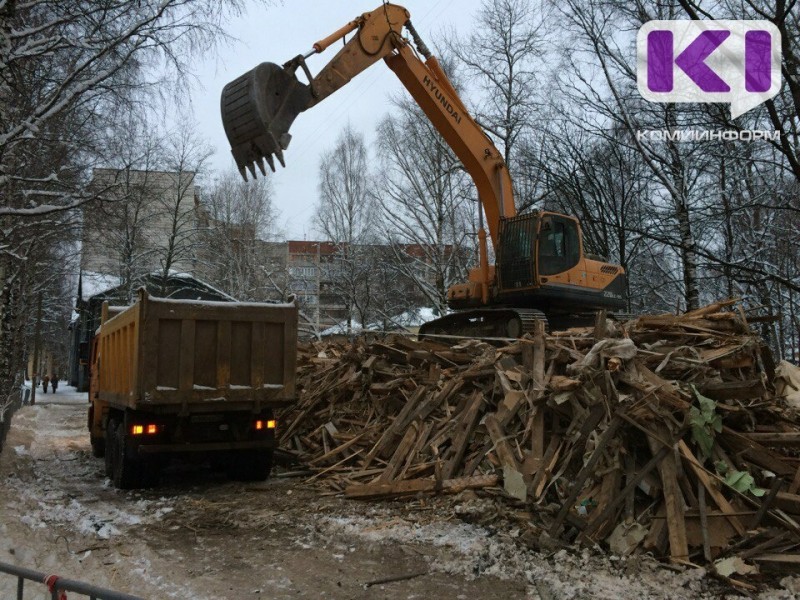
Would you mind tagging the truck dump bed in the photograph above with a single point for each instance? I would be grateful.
(165, 355)
(181, 376)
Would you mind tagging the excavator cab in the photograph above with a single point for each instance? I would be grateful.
(536, 245)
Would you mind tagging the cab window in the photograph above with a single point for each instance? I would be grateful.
(559, 248)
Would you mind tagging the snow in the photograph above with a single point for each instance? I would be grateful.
(96, 283)
(413, 318)
(408, 320)
(476, 551)
(342, 329)
(181, 275)
(226, 304)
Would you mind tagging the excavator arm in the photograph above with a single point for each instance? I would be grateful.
(259, 107)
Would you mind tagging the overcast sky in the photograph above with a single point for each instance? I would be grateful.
(278, 33)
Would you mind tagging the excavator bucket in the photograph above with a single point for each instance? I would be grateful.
(257, 110)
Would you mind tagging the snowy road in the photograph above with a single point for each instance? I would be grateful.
(200, 536)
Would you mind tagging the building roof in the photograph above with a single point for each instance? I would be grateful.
(102, 286)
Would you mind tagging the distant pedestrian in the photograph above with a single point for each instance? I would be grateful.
(45, 381)
(54, 383)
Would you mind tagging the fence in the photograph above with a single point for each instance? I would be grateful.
(58, 586)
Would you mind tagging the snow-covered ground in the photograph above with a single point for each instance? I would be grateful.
(200, 536)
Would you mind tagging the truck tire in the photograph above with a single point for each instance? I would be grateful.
(127, 470)
(252, 465)
(98, 446)
(98, 443)
(111, 428)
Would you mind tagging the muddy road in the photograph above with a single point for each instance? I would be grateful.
(201, 536)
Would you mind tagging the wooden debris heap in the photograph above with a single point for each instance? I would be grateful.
(662, 435)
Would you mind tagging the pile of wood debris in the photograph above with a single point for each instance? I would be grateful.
(662, 435)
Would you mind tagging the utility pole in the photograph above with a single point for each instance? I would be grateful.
(36, 340)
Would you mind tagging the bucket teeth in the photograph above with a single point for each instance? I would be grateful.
(257, 110)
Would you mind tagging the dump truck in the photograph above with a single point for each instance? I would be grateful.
(187, 377)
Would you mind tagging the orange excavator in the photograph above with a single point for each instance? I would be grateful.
(541, 271)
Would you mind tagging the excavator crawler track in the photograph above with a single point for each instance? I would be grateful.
(485, 323)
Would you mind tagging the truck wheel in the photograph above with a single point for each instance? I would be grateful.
(98, 443)
(111, 428)
(127, 471)
(252, 465)
(98, 446)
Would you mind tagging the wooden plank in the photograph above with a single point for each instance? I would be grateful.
(781, 439)
(789, 503)
(673, 500)
(583, 474)
(539, 349)
(509, 406)
(767, 502)
(400, 454)
(795, 482)
(505, 453)
(419, 443)
(762, 456)
(711, 486)
(656, 539)
(701, 504)
(547, 465)
(338, 449)
(609, 489)
(461, 435)
(785, 559)
(394, 433)
(534, 465)
(416, 486)
(600, 326)
(728, 390)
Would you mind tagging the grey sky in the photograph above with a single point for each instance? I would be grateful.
(278, 33)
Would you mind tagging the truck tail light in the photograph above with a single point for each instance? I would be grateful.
(262, 424)
(149, 429)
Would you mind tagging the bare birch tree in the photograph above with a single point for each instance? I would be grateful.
(239, 220)
(505, 55)
(185, 156)
(425, 197)
(65, 69)
(346, 215)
